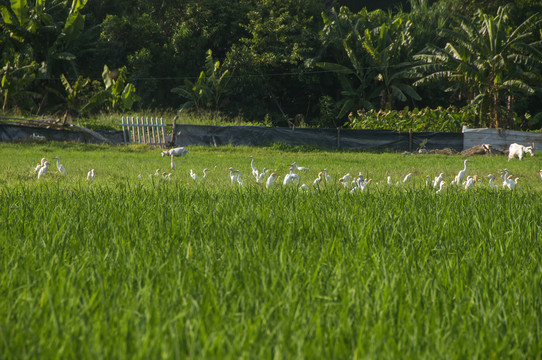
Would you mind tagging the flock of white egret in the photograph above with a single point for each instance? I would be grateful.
(292, 178)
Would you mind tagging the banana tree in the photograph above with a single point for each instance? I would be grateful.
(485, 59)
(207, 91)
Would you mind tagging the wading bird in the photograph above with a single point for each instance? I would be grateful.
(239, 181)
(491, 185)
(270, 180)
(90, 175)
(407, 177)
(43, 169)
(43, 160)
(461, 174)
(205, 173)
(261, 175)
(291, 177)
(441, 184)
(328, 178)
(345, 180)
(255, 172)
(438, 180)
(540, 172)
(233, 177)
(193, 175)
(60, 167)
(300, 168)
(318, 179)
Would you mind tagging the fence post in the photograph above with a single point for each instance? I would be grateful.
(124, 129)
(162, 127)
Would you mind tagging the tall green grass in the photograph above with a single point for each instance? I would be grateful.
(144, 267)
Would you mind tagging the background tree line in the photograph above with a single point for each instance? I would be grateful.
(320, 62)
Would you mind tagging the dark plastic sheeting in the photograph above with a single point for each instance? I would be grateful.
(329, 139)
(21, 133)
(322, 138)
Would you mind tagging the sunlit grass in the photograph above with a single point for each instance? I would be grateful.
(145, 267)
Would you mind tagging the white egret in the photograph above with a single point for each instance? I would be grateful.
(491, 185)
(438, 180)
(407, 177)
(459, 178)
(157, 172)
(43, 169)
(511, 184)
(469, 182)
(327, 176)
(427, 181)
(193, 175)
(318, 179)
(388, 180)
(300, 168)
(291, 177)
(60, 167)
(255, 172)
(261, 175)
(233, 177)
(90, 175)
(304, 188)
(40, 165)
(540, 172)
(441, 184)
(239, 181)
(173, 167)
(270, 180)
(345, 180)
(205, 173)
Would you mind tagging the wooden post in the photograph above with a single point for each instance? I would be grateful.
(153, 134)
(174, 131)
(162, 127)
(138, 131)
(132, 131)
(124, 129)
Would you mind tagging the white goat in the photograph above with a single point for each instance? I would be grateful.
(180, 151)
(519, 150)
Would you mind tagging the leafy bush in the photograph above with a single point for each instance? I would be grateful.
(439, 119)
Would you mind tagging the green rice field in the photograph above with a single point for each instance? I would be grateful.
(138, 266)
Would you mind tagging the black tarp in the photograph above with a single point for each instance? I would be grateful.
(329, 139)
(188, 135)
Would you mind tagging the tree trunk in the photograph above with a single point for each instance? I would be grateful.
(496, 109)
(510, 108)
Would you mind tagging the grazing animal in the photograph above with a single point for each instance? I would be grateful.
(519, 151)
(180, 151)
(173, 167)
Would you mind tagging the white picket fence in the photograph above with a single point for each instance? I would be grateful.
(136, 130)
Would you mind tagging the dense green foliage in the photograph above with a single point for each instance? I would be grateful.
(313, 60)
(150, 268)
